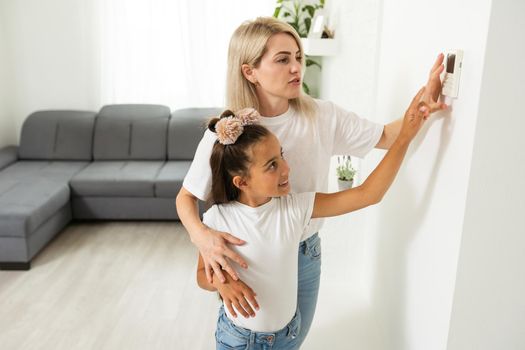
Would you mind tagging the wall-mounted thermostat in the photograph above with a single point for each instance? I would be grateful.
(453, 65)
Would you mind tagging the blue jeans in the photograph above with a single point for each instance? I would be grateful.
(228, 336)
(309, 280)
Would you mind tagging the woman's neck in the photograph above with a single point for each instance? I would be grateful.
(269, 107)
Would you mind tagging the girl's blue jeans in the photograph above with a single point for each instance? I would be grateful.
(228, 336)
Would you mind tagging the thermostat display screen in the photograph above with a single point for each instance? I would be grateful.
(451, 60)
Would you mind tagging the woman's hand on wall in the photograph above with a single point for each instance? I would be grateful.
(433, 87)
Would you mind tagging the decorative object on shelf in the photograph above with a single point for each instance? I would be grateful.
(320, 47)
(318, 25)
(345, 172)
(299, 15)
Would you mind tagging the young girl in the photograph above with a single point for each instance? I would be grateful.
(252, 199)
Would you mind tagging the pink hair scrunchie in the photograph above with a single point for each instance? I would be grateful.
(230, 128)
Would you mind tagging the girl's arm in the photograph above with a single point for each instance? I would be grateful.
(212, 244)
(376, 185)
(233, 293)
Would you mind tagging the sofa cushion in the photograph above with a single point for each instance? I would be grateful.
(169, 181)
(56, 171)
(117, 179)
(8, 155)
(186, 129)
(56, 135)
(131, 132)
(26, 204)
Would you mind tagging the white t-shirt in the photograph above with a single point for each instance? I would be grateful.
(272, 233)
(307, 145)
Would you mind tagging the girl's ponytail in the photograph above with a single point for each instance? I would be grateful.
(236, 134)
(213, 122)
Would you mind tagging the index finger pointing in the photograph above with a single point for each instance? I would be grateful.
(438, 62)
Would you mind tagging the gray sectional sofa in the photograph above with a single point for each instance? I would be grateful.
(126, 162)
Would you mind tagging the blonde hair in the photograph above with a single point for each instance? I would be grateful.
(247, 46)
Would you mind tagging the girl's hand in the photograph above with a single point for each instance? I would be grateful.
(236, 295)
(433, 87)
(215, 254)
(416, 114)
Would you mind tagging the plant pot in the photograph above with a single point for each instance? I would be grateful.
(344, 184)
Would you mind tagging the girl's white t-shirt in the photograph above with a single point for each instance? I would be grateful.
(272, 233)
(308, 146)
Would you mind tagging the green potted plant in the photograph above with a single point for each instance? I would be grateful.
(345, 172)
(299, 15)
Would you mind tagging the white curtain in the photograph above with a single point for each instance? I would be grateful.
(169, 52)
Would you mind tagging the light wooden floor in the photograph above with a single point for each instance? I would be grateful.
(131, 285)
(109, 286)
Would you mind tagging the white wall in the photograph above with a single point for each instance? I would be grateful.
(407, 269)
(414, 235)
(7, 130)
(489, 304)
(52, 50)
(348, 79)
(456, 208)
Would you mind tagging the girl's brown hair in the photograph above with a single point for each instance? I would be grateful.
(228, 161)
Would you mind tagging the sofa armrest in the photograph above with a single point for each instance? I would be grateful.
(8, 155)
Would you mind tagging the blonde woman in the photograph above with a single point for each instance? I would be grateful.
(265, 65)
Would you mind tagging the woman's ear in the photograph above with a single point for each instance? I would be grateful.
(249, 73)
(239, 182)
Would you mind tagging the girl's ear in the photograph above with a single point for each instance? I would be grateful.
(249, 73)
(239, 182)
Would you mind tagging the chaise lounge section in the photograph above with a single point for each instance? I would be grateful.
(34, 191)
